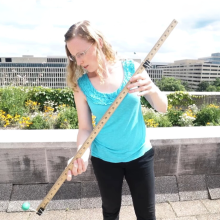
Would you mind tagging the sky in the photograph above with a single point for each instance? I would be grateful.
(37, 27)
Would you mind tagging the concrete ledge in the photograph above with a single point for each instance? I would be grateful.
(67, 138)
(39, 156)
(186, 167)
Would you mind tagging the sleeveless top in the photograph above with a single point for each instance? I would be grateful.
(123, 137)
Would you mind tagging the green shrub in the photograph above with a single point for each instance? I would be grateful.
(145, 103)
(39, 122)
(174, 116)
(189, 116)
(185, 120)
(208, 114)
(12, 100)
(67, 119)
(180, 98)
(155, 119)
(164, 121)
(56, 96)
(19, 108)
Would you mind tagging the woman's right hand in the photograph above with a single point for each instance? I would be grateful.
(80, 165)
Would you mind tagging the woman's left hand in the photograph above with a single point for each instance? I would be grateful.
(142, 84)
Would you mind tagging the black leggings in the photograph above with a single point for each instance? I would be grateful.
(139, 175)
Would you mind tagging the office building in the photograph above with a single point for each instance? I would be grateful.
(192, 71)
(214, 59)
(156, 72)
(33, 71)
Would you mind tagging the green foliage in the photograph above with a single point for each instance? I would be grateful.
(216, 82)
(57, 96)
(180, 99)
(186, 86)
(159, 119)
(188, 117)
(209, 86)
(212, 88)
(203, 86)
(208, 114)
(174, 116)
(57, 110)
(39, 122)
(164, 121)
(170, 84)
(144, 102)
(12, 100)
(67, 119)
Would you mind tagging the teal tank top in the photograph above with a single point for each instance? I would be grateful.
(123, 138)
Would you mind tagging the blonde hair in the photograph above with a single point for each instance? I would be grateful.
(85, 31)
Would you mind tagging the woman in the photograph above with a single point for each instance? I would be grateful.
(121, 149)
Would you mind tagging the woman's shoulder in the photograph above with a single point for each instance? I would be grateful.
(83, 83)
(129, 66)
(82, 80)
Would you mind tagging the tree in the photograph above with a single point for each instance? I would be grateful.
(212, 88)
(186, 85)
(217, 82)
(209, 86)
(170, 84)
(202, 86)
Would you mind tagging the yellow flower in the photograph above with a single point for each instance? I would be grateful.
(151, 123)
(93, 120)
(213, 106)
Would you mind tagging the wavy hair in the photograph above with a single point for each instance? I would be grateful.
(84, 30)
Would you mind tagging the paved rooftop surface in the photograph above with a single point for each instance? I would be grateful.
(185, 210)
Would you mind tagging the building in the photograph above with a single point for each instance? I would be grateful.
(51, 71)
(192, 71)
(214, 59)
(33, 71)
(156, 72)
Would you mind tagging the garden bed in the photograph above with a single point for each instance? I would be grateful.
(45, 108)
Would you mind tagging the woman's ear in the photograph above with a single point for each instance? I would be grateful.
(100, 42)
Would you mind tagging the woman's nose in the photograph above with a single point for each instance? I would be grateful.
(79, 61)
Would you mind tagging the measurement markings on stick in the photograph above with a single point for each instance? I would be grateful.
(104, 119)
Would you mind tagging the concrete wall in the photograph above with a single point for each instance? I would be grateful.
(187, 166)
(28, 157)
(29, 163)
(204, 97)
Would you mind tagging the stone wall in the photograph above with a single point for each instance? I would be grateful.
(30, 163)
(204, 97)
(187, 167)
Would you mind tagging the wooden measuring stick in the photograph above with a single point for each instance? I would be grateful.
(103, 120)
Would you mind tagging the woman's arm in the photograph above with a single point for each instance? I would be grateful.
(85, 129)
(157, 99)
(143, 84)
(84, 117)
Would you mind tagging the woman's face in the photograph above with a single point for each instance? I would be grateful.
(84, 52)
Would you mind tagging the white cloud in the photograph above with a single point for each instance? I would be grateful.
(38, 26)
